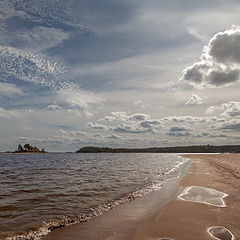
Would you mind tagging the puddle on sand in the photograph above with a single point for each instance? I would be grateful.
(203, 195)
(220, 233)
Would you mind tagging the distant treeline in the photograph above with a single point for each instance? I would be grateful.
(28, 148)
(178, 149)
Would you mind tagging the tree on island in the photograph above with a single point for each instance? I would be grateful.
(20, 148)
(28, 148)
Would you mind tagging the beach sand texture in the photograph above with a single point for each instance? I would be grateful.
(183, 220)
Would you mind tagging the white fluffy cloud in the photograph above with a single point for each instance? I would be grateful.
(219, 64)
(124, 123)
(229, 109)
(194, 100)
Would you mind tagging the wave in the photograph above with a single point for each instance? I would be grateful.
(64, 221)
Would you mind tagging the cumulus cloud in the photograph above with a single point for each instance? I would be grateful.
(138, 117)
(98, 126)
(219, 63)
(192, 119)
(231, 126)
(229, 109)
(122, 122)
(131, 128)
(8, 89)
(53, 107)
(120, 115)
(184, 119)
(195, 100)
(176, 131)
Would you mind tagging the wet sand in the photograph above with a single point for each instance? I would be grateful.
(186, 220)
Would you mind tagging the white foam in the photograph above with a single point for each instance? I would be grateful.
(221, 230)
(203, 195)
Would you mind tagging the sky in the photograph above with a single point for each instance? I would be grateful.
(127, 73)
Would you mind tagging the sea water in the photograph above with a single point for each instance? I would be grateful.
(42, 192)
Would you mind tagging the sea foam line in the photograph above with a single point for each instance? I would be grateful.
(95, 212)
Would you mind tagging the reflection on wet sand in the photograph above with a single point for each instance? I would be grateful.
(203, 195)
(220, 233)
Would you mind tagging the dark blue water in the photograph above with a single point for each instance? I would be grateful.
(39, 192)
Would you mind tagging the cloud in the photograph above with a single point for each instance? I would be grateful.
(185, 119)
(231, 126)
(135, 123)
(120, 115)
(178, 134)
(30, 67)
(176, 131)
(53, 107)
(138, 117)
(5, 113)
(131, 128)
(40, 38)
(113, 136)
(97, 126)
(73, 96)
(9, 90)
(122, 122)
(49, 13)
(150, 123)
(194, 100)
(219, 63)
(46, 72)
(229, 109)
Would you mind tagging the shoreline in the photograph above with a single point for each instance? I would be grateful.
(121, 222)
(187, 220)
(169, 213)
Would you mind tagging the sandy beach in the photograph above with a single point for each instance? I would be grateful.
(185, 220)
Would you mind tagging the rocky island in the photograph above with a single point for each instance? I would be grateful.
(27, 148)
